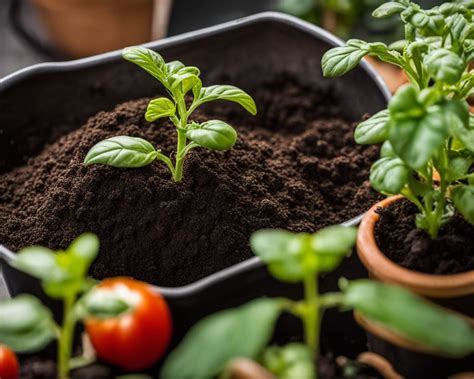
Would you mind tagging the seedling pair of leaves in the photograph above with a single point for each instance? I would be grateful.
(27, 326)
(245, 332)
(178, 80)
(427, 131)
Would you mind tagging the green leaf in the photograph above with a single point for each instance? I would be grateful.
(158, 108)
(37, 261)
(463, 199)
(340, 60)
(85, 247)
(458, 166)
(173, 67)
(121, 151)
(388, 9)
(297, 8)
(464, 132)
(389, 175)
(410, 316)
(386, 150)
(214, 135)
(147, 59)
(334, 240)
(102, 303)
(373, 130)
(226, 92)
(444, 65)
(215, 340)
(25, 324)
(185, 79)
(282, 251)
(294, 360)
(416, 133)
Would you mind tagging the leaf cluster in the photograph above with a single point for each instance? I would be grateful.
(427, 131)
(179, 81)
(299, 258)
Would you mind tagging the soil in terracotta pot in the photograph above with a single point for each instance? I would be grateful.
(295, 166)
(396, 235)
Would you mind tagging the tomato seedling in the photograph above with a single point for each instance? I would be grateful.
(244, 332)
(114, 310)
(178, 80)
(427, 131)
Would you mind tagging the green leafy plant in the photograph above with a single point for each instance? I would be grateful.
(427, 131)
(179, 81)
(27, 326)
(245, 332)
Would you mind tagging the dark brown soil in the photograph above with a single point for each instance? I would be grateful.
(295, 166)
(342, 368)
(35, 368)
(396, 235)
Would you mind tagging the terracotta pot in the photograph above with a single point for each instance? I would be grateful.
(453, 291)
(85, 27)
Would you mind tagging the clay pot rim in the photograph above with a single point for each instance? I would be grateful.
(381, 267)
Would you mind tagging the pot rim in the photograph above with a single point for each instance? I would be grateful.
(275, 17)
(384, 269)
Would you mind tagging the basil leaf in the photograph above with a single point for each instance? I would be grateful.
(373, 130)
(147, 59)
(340, 60)
(458, 166)
(334, 240)
(214, 135)
(121, 151)
(463, 199)
(444, 65)
(226, 92)
(417, 133)
(173, 67)
(158, 108)
(185, 79)
(25, 324)
(215, 340)
(464, 132)
(36, 261)
(85, 247)
(294, 360)
(389, 175)
(410, 316)
(102, 303)
(387, 150)
(282, 251)
(388, 9)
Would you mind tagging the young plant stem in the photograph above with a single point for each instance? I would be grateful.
(180, 150)
(66, 336)
(311, 319)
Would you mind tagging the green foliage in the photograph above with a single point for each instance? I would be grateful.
(300, 257)
(426, 128)
(25, 324)
(214, 341)
(406, 314)
(179, 81)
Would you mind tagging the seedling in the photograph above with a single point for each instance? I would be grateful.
(427, 131)
(244, 332)
(27, 326)
(178, 80)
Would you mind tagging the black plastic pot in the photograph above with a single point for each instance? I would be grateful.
(248, 51)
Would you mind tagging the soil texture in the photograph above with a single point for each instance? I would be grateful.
(295, 166)
(396, 235)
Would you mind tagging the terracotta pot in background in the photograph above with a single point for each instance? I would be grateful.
(453, 291)
(86, 27)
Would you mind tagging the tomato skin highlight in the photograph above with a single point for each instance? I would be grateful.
(138, 338)
(9, 366)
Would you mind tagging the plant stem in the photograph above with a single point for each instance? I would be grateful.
(180, 150)
(66, 337)
(311, 314)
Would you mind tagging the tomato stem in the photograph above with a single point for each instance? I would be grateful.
(66, 337)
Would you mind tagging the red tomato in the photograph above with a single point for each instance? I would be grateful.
(9, 367)
(137, 338)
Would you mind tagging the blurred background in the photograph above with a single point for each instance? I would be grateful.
(33, 31)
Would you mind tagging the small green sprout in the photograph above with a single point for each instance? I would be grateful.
(245, 332)
(178, 80)
(427, 131)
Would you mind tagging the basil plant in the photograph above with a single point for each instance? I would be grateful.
(246, 331)
(179, 81)
(427, 132)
